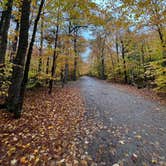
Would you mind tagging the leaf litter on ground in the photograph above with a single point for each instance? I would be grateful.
(48, 132)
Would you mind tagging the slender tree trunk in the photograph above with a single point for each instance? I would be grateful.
(4, 27)
(29, 55)
(103, 60)
(124, 62)
(143, 61)
(160, 31)
(75, 57)
(117, 53)
(113, 68)
(41, 48)
(117, 49)
(163, 44)
(54, 59)
(15, 42)
(47, 65)
(13, 100)
(66, 71)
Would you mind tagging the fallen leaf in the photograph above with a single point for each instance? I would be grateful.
(23, 160)
(13, 162)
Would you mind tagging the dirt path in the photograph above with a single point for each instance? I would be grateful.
(132, 130)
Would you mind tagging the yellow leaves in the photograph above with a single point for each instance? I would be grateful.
(76, 163)
(61, 161)
(13, 162)
(35, 151)
(11, 151)
(84, 163)
(34, 3)
(37, 160)
(50, 127)
(23, 160)
(26, 146)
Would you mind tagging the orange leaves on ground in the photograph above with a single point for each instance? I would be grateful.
(46, 132)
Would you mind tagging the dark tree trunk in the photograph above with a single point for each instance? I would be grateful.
(4, 27)
(143, 61)
(163, 44)
(41, 48)
(15, 42)
(113, 68)
(13, 100)
(103, 60)
(66, 71)
(117, 49)
(102, 68)
(117, 53)
(160, 30)
(124, 62)
(29, 55)
(54, 59)
(75, 57)
(47, 65)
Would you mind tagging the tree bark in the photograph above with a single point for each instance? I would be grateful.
(66, 71)
(54, 59)
(41, 48)
(29, 55)
(103, 60)
(75, 57)
(117, 49)
(15, 42)
(124, 62)
(4, 27)
(163, 44)
(113, 68)
(47, 65)
(13, 100)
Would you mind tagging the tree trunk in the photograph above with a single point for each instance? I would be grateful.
(163, 44)
(66, 71)
(117, 53)
(117, 49)
(15, 42)
(113, 68)
(41, 48)
(103, 60)
(75, 57)
(47, 65)
(54, 59)
(4, 27)
(13, 100)
(124, 62)
(143, 61)
(29, 55)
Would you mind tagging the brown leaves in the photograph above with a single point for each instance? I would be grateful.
(46, 131)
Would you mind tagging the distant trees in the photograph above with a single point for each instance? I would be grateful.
(136, 43)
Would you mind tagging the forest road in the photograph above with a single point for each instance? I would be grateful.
(132, 129)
